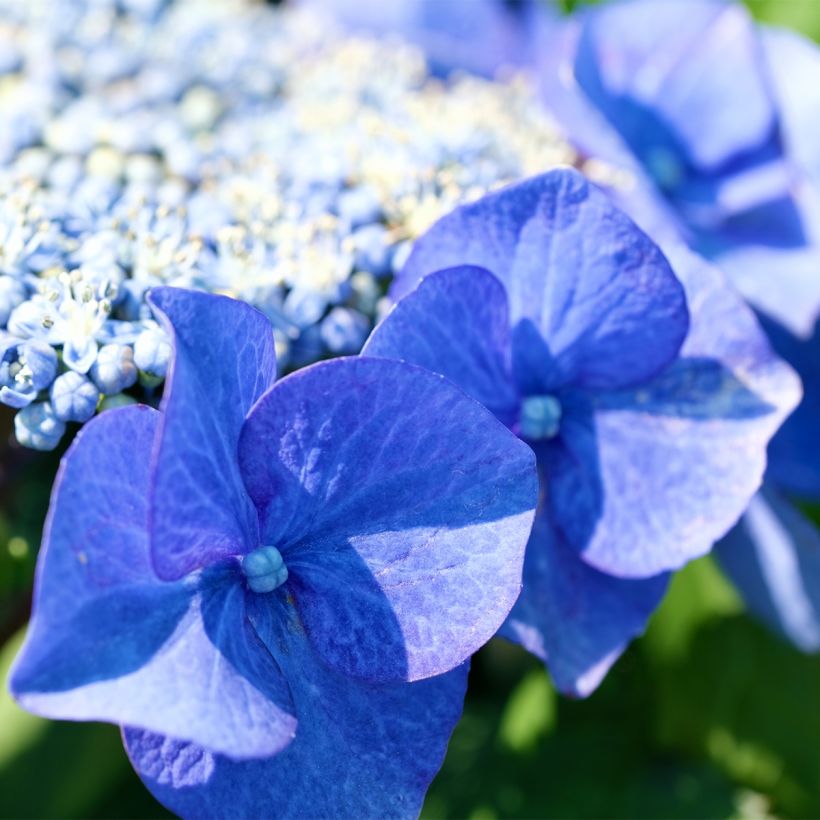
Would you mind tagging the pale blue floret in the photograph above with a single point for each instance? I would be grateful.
(114, 369)
(74, 397)
(344, 331)
(37, 427)
(265, 569)
(152, 351)
(540, 417)
(26, 368)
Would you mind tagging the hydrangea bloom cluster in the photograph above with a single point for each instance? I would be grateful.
(225, 146)
(647, 397)
(275, 586)
(732, 165)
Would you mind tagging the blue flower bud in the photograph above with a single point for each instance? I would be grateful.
(37, 427)
(265, 569)
(114, 369)
(74, 397)
(540, 417)
(26, 368)
(12, 294)
(373, 250)
(344, 330)
(359, 206)
(152, 350)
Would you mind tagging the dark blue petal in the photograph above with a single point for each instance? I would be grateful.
(455, 323)
(223, 361)
(599, 291)
(679, 458)
(773, 558)
(110, 641)
(577, 620)
(401, 507)
(360, 750)
(794, 453)
(660, 73)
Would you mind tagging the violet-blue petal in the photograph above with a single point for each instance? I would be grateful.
(599, 290)
(401, 507)
(773, 558)
(794, 453)
(575, 619)
(480, 36)
(661, 67)
(110, 641)
(680, 457)
(360, 750)
(223, 361)
(455, 323)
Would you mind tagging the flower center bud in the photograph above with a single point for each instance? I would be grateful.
(264, 569)
(540, 417)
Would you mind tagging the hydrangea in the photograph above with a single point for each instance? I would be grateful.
(647, 398)
(274, 587)
(733, 166)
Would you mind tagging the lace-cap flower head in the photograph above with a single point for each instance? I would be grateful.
(648, 399)
(275, 587)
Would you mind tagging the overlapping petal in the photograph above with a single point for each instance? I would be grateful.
(360, 751)
(574, 618)
(111, 641)
(598, 289)
(401, 508)
(223, 361)
(773, 558)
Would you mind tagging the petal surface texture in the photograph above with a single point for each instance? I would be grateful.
(401, 508)
(679, 458)
(222, 363)
(111, 641)
(574, 618)
(361, 750)
(773, 558)
(596, 287)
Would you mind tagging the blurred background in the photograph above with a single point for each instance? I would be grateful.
(707, 715)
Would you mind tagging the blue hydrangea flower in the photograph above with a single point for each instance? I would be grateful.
(275, 587)
(37, 426)
(647, 399)
(74, 397)
(733, 165)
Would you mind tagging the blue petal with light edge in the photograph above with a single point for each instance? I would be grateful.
(679, 458)
(773, 557)
(575, 619)
(455, 323)
(360, 750)
(598, 289)
(223, 361)
(402, 510)
(110, 641)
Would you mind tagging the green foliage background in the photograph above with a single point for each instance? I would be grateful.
(706, 716)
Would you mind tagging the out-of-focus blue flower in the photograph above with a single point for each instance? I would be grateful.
(26, 368)
(650, 425)
(309, 579)
(715, 120)
(12, 294)
(114, 369)
(74, 397)
(713, 117)
(344, 331)
(37, 426)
